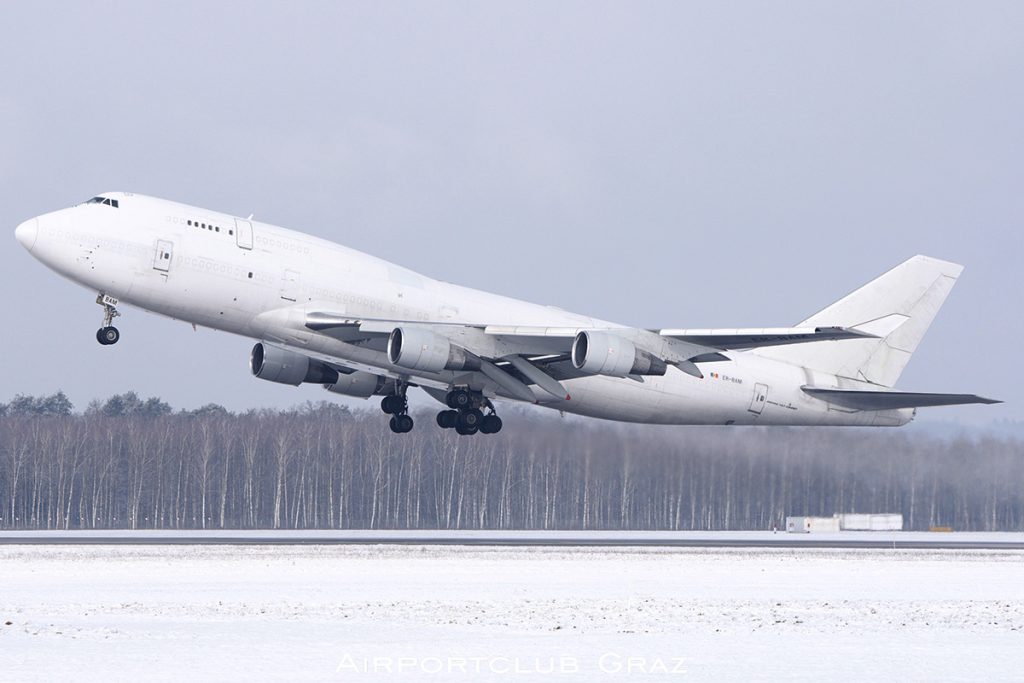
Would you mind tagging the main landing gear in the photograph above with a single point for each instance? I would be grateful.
(108, 334)
(397, 405)
(466, 416)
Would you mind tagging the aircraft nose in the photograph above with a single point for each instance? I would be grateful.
(27, 233)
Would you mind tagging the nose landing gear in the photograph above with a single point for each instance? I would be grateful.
(108, 334)
(466, 416)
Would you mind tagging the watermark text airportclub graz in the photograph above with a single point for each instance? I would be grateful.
(448, 666)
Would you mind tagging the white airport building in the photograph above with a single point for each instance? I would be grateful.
(851, 521)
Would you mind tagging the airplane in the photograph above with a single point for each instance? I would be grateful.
(362, 326)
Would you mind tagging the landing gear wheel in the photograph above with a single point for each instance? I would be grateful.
(446, 419)
(108, 335)
(460, 399)
(393, 404)
(470, 419)
(490, 425)
(466, 414)
(401, 424)
(397, 405)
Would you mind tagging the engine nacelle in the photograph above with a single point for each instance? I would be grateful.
(602, 353)
(362, 385)
(287, 367)
(419, 349)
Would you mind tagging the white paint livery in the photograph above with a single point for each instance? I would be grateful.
(362, 326)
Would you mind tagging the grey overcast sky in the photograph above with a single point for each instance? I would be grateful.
(657, 164)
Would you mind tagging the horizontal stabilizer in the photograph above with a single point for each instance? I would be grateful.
(891, 400)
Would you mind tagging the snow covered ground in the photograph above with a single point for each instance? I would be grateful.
(373, 613)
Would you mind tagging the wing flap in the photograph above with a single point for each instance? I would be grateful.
(891, 400)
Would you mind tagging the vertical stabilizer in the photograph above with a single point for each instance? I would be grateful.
(898, 307)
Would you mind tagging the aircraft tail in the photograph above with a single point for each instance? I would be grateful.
(897, 307)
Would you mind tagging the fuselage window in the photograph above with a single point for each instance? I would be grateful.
(204, 226)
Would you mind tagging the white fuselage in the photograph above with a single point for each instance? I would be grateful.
(259, 281)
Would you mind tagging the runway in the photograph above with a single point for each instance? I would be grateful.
(906, 540)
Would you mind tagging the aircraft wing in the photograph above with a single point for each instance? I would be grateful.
(890, 400)
(343, 328)
(515, 357)
(726, 339)
(487, 341)
(559, 339)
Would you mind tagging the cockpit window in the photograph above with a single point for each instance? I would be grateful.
(104, 200)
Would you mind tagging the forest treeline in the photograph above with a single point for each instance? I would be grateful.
(133, 463)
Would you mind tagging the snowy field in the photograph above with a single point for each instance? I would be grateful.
(374, 613)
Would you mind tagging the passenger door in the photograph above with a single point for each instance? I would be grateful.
(162, 258)
(290, 285)
(243, 233)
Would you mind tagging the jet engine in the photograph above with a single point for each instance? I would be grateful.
(602, 353)
(362, 385)
(287, 367)
(419, 349)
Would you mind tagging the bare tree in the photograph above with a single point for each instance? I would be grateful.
(130, 463)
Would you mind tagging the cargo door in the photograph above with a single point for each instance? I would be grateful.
(757, 401)
(290, 285)
(162, 258)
